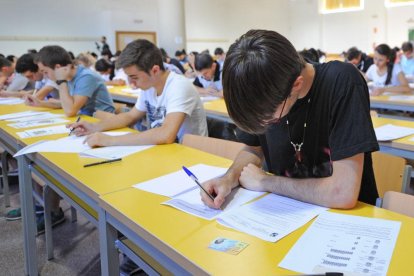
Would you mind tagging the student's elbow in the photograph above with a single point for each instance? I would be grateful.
(166, 138)
(341, 198)
(70, 112)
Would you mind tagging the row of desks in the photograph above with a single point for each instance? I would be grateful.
(177, 240)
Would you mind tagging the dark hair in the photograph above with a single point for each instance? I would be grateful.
(352, 53)
(385, 50)
(11, 58)
(4, 62)
(310, 55)
(72, 56)
(164, 54)
(50, 56)
(141, 53)
(103, 65)
(94, 54)
(218, 51)
(32, 51)
(407, 47)
(259, 72)
(203, 61)
(26, 63)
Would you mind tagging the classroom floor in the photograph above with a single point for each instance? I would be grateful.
(76, 245)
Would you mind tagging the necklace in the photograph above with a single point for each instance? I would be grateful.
(298, 146)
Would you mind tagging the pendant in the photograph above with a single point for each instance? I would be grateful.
(297, 148)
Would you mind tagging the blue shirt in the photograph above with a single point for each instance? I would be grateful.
(407, 65)
(90, 84)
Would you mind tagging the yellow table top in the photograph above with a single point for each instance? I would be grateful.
(216, 107)
(179, 235)
(119, 95)
(402, 143)
(386, 99)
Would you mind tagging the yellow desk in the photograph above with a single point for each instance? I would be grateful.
(385, 102)
(401, 147)
(217, 109)
(180, 241)
(123, 97)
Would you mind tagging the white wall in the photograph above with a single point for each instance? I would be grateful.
(219, 23)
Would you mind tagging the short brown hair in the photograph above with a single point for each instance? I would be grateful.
(258, 75)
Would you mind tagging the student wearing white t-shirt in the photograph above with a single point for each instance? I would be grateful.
(169, 101)
(386, 75)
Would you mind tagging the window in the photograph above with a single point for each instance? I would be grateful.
(398, 3)
(335, 6)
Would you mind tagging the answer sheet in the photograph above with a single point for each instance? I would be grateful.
(40, 122)
(11, 101)
(20, 114)
(271, 217)
(190, 202)
(37, 132)
(391, 132)
(349, 244)
(177, 182)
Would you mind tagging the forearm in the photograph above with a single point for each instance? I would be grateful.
(18, 94)
(117, 121)
(248, 155)
(51, 104)
(67, 100)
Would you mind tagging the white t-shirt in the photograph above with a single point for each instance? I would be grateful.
(120, 75)
(379, 81)
(179, 95)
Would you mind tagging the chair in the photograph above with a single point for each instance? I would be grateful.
(391, 173)
(399, 202)
(224, 148)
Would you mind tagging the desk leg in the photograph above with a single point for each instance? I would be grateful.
(48, 222)
(5, 172)
(109, 254)
(28, 217)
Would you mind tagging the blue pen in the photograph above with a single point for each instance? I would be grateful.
(195, 179)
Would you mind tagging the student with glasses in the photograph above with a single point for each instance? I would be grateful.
(310, 123)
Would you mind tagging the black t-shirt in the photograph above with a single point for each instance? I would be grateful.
(365, 63)
(338, 126)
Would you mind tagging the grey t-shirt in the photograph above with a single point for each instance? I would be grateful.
(20, 82)
(90, 84)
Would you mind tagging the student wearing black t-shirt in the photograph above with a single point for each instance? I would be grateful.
(310, 123)
(208, 82)
(359, 59)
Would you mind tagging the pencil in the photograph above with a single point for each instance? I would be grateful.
(102, 162)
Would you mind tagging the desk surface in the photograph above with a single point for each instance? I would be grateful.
(402, 143)
(184, 237)
(120, 96)
(386, 102)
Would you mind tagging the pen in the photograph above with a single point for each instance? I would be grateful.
(34, 92)
(72, 129)
(102, 162)
(195, 179)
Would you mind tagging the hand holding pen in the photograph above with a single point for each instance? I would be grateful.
(72, 129)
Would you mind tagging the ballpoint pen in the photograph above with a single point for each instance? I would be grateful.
(72, 129)
(102, 162)
(195, 179)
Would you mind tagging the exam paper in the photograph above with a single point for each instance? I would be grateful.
(71, 143)
(190, 202)
(401, 98)
(208, 98)
(20, 114)
(132, 91)
(178, 182)
(11, 101)
(41, 122)
(271, 217)
(43, 131)
(343, 243)
(41, 116)
(113, 152)
(391, 132)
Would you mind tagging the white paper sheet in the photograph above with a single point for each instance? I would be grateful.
(391, 132)
(71, 143)
(20, 114)
(343, 243)
(190, 202)
(41, 122)
(401, 98)
(113, 152)
(11, 101)
(271, 217)
(132, 91)
(208, 98)
(43, 131)
(175, 183)
(41, 116)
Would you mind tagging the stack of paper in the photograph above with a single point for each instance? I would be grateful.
(391, 132)
(342, 243)
(10, 101)
(11, 116)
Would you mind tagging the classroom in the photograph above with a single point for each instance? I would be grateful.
(194, 137)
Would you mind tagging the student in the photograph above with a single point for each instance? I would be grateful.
(220, 56)
(86, 60)
(310, 55)
(166, 58)
(359, 59)
(170, 103)
(407, 59)
(81, 91)
(310, 123)
(208, 81)
(386, 75)
(105, 48)
(6, 72)
(27, 74)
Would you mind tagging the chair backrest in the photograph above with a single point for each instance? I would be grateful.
(399, 202)
(224, 148)
(391, 173)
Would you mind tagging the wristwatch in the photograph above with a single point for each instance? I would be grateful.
(59, 82)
